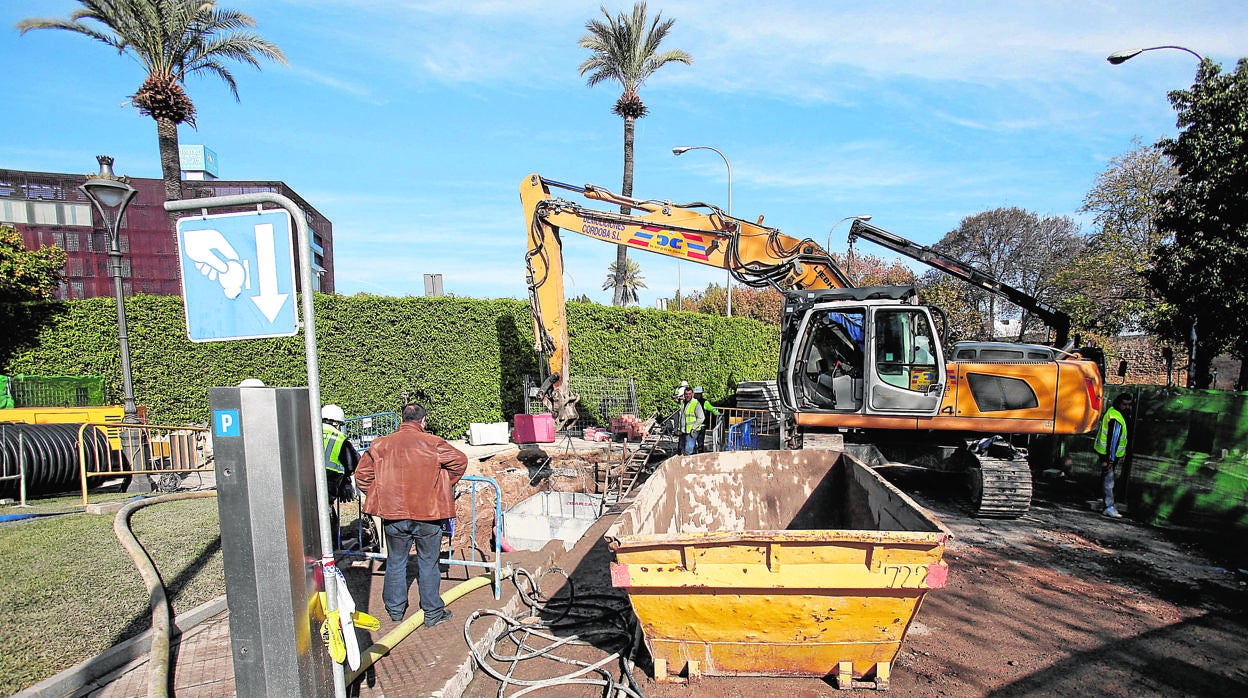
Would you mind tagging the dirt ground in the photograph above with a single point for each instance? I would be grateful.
(1060, 602)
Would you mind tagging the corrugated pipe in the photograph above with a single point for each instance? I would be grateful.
(394, 637)
(158, 657)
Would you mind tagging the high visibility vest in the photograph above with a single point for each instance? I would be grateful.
(334, 440)
(691, 415)
(1101, 444)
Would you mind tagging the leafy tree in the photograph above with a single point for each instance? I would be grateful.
(624, 50)
(170, 39)
(1018, 248)
(1200, 272)
(629, 276)
(870, 270)
(953, 297)
(1105, 289)
(28, 275)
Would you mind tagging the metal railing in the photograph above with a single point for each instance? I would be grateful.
(362, 430)
(145, 449)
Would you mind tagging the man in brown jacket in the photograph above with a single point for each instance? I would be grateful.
(409, 477)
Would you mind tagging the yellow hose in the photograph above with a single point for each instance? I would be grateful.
(394, 637)
(158, 656)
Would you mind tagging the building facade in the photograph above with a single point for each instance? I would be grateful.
(49, 209)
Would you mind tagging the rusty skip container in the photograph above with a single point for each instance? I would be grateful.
(775, 563)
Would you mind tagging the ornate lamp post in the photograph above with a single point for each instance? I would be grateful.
(111, 195)
(681, 150)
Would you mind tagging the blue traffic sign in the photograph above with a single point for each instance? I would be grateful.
(238, 275)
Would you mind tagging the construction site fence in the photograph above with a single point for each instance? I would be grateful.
(151, 450)
(363, 430)
(1187, 457)
(738, 429)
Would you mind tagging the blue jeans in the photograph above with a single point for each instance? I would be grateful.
(1107, 484)
(400, 533)
(688, 444)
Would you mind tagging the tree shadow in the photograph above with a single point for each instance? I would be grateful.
(515, 360)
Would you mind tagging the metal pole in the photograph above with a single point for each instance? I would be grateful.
(314, 374)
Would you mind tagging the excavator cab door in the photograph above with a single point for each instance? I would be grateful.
(905, 364)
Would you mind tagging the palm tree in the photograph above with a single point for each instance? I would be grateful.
(628, 277)
(626, 51)
(170, 39)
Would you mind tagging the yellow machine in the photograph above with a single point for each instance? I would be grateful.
(865, 363)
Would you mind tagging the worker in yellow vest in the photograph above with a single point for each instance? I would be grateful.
(340, 461)
(692, 419)
(1111, 447)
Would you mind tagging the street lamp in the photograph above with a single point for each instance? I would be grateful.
(828, 248)
(681, 150)
(111, 195)
(1120, 57)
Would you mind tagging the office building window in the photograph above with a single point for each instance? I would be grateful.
(75, 267)
(124, 242)
(125, 268)
(77, 214)
(12, 211)
(71, 242)
(76, 289)
(44, 213)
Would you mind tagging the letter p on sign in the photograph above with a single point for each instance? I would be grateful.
(225, 423)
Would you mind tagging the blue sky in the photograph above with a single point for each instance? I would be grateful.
(411, 124)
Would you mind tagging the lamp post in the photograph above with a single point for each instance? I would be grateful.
(828, 248)
(111, 195)
(1120, 57)
(681, 150)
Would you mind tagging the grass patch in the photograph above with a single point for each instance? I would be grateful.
(68, 590)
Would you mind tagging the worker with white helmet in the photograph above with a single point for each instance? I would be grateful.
(340, 461)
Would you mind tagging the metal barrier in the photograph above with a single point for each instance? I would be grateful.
(145, 449)
(748, 429)
(474, 481)
(362, 430)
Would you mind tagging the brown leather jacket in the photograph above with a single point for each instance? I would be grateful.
(410, 474)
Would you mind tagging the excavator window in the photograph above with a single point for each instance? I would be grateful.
(834, 359)
(904, 349)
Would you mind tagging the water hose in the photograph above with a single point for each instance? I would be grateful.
(379, 649)
(158, 657)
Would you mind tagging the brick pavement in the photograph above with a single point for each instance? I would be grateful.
(429, 662)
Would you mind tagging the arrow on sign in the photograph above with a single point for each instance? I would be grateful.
(269, 301)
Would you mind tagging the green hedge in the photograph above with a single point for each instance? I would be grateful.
(464, 358)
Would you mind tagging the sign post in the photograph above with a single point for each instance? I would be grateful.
(231, 275)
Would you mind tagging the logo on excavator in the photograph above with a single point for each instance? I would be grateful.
(658, 240)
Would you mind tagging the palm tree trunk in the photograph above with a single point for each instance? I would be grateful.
(621, 251)
(170, 160)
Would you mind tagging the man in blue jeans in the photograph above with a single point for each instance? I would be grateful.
(409, 477)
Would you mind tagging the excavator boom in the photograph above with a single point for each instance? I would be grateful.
(1054, 318)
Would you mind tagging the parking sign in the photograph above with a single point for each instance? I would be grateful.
(238, 275)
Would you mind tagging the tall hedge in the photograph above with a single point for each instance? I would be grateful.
(464, 358)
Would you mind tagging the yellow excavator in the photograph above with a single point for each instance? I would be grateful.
(858, 366)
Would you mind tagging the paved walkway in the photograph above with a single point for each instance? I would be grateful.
(429, 662)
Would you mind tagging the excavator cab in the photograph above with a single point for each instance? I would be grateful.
(869, 351)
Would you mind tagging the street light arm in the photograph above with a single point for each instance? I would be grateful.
(1120, 57)
(828, 248)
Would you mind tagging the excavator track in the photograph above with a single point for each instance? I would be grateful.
(1000, 488)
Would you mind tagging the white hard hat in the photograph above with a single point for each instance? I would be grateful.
(697, 390)
(333, 413)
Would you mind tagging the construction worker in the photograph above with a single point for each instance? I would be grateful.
(1111, 447)
(693, 417)
(708, 410)
(340, 461)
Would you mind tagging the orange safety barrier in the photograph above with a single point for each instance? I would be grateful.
(144, 449)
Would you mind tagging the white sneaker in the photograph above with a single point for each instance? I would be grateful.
(1111, 513)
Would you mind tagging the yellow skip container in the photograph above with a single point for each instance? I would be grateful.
(775, 563)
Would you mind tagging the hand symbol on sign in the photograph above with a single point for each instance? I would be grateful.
(217, 260)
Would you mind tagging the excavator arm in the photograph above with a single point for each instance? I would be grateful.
(754, 254)
(1054, 318)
